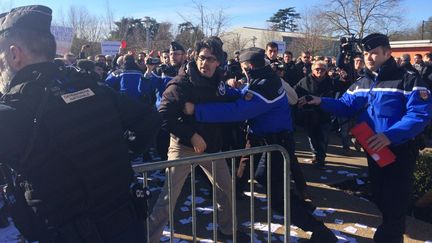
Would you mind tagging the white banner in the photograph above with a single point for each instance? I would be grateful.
(110, 47)
(63, 37)
(281, 47)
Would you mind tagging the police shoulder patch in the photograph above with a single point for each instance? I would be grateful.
(248, 96)
(424, 94)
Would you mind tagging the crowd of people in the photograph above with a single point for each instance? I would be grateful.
(80, 112)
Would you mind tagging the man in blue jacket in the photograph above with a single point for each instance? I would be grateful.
(396, 104)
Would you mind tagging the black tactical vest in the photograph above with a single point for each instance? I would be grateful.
(75, 159)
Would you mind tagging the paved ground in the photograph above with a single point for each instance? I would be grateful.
(353, 219)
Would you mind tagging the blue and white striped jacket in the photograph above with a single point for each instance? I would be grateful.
(395, 102)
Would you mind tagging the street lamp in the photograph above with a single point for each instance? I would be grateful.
(423, 25)
(147, 24)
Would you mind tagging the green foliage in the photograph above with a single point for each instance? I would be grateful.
(285, 20)
(423, 174)
(188, 34)
(133, 31)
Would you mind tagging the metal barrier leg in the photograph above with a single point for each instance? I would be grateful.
(193, 189)
(233, 199)
(223, 155)
(287, 213)
(269, 193)
(170, 206)
(214, 201)
(252, 197)
(145, 184)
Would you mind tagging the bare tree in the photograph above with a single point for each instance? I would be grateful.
(163, 37)
(359, 17)
(233, 42)
(109, 18)
(212, 21)
(316, 36)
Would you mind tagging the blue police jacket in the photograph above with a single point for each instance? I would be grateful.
(395, 102)
(158, 81)
(126, 82)
(263, 104)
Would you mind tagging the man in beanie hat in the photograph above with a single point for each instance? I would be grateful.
(264, 105)
(63, 133)
(396, 104)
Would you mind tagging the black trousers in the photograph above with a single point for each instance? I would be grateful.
(301, 215)
(392, 191)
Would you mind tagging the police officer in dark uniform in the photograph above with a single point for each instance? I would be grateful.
(396, 104)
(264, 105)
(64, 135)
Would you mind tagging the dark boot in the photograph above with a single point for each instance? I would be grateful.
(322, 234)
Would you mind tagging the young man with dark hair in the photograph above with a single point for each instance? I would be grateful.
(290, 73)
(304, 66)
(199, 81)
(271, 52)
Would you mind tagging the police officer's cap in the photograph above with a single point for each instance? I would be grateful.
(174, 46)
(251, 54)
(32, 17)
(374, 40)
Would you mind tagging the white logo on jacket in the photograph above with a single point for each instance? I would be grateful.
(221, 88)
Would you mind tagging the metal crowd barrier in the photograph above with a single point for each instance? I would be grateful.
(194, 160)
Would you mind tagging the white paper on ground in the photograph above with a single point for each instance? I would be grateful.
(338, 221)
(350, 229)
(198, 200)
(164, 238)
(262, 199)
(329, 171)
(276, 216)
(9, 234)
(323, 177)
(342, 172)
(184, 209)
(187, 203)
(352, 174)
(360, 226)
(209, 227)
(364, 199)
(294, 227)
(205, 210)
(319, 213)
(360, 182)
(206, 241)
(186, 220)
(330, 210)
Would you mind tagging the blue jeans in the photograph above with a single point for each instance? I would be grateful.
(318, 141)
